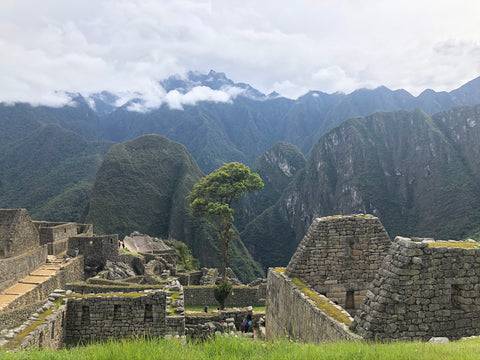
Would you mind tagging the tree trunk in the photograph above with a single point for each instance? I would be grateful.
(225, 241)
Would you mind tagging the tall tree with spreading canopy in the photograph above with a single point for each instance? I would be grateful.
(213, 195)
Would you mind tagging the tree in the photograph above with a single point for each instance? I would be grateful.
(213, 196)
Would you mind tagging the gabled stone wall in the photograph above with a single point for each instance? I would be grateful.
(421, 292)
(18, 235)
(339, 257)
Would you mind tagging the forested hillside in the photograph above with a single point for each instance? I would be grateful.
(418, 174)
(142, 185)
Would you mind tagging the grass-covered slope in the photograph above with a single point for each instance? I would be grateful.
(142, 185)
(417, 177)
(50, 172)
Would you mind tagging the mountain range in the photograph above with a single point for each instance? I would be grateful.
(412, 161)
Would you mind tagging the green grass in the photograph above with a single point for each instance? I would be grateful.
(225, 348)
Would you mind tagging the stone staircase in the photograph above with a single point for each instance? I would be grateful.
(28, 283)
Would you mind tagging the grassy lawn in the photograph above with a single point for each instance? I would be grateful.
(224, 348)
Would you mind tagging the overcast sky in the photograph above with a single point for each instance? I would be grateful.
(283, 45)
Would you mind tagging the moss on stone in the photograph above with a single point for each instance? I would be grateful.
(322, 304)
(463, 245)
(17, 340)
(279, 270)
(173, 297)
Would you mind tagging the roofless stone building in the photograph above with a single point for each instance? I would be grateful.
(406, 290)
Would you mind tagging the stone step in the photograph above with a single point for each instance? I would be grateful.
(34, 279)
(43, 272)
(19, 289)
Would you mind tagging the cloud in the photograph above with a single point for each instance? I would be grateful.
(127, 46)
(177, 100)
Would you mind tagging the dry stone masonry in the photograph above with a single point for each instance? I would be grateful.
(106, 316)
(423, 291)
(339, 256)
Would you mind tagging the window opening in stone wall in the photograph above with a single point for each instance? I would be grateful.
(350, 300)
(40, 340)
(117, 311)
(52, 333)
(85, 315)
(349, 247)
(148, 315)
(455, 294)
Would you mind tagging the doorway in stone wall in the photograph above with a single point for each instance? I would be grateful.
(350, 301)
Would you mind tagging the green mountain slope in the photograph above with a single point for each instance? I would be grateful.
(142, 185)
(277, 167)
(49, 171)
(398, 166)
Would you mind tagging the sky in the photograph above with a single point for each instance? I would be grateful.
(127, 46)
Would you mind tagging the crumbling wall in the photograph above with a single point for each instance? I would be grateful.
(290, 313)
(117, 316)
(421, 292)
(339, 257)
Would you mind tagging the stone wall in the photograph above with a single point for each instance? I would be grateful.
(16, 317)
(339, 257)
(57, 247)
(18, 235)
(240, 296)
(54, 231)
(193, 320)
(50, 334)
(104, 317)
(289, 312)
(14, 268)
(95, 249)
(190, 278)
(421, 292)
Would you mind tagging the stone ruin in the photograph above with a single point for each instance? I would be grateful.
(408, 289)
(60, 281)
(423, 289)
(346, 281)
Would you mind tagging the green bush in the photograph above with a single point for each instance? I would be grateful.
(221, 292)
